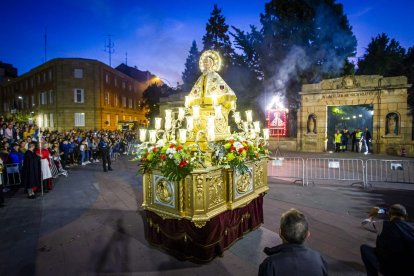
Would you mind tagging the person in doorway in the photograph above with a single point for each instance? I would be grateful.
(394, 251)
(337, 141)
(358, 136)
(292, 257)
(368, 140)
(353, 140)
(344, 139)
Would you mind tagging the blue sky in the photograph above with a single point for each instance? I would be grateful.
(157, 35)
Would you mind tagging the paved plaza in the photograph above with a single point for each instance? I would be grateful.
(92, 224)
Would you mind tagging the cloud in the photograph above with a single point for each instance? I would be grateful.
(361, 12)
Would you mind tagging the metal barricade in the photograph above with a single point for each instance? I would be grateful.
(288, 167)
(397, 171)
(335, 169)
(12, 174)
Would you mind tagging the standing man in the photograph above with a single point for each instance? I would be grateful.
(394, 251)
(368, 139)
(31, 170)
(104, 147)
(293, 257)
(358, 136)
(344, 138)
(338, 141)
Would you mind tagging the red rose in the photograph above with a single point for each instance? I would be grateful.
(172, 146)
(231, 141)
(246, 147)
(163, 157)
(183, 164)
(232, 148)
(179, 148)
(241, 150)
(154, 150)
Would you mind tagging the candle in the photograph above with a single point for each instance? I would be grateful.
(249, 117)
(181, 113)
(256, 126)
(157, 123)
(190, 124)
(183, 135)
(217, 111)
(196, 112)
(168, 113)
(167, 123)
(237, 118)
(152, 136)
(142, 135)
(266, 133)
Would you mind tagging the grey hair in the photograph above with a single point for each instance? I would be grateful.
(398, 210)
(294, 226)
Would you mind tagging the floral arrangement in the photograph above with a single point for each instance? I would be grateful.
(174, 160)
(234, 152)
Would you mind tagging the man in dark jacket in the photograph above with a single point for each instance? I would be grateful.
(104, 147)
(31, 175)
(292, 257)
(394, 251)
(368, 139)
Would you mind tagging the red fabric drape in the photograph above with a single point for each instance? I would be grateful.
(184, 240)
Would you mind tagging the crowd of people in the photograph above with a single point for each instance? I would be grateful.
(32, 158)
(361, 140)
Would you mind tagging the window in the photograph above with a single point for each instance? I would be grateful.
(108, 120)
(116, 119)
(78, 94)
(116, 81)
(106, 78)
(31, 82)
(107, 98)
(38, 78)
(44, 76)
(116, 100)
(78, 73)
(45, 123)
(51, 95)
(130, 103)
(79, 119)
(50, 75)
(130, 118)
(51, 122)
(123, 101)
(42, 98)
(123, 84)
(33, 100)
(129, 87)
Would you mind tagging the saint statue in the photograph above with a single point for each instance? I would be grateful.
(210, 88)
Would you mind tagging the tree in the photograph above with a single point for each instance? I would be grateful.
(409, 72)
(152, 97)
(303, 42)
(191, 71)
(383, 56)
(217, 38)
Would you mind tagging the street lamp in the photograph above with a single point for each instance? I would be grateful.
(21, 98)
(162, 79)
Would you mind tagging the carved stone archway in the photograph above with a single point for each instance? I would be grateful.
(392, 124)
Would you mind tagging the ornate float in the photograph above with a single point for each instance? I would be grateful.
(203, 185)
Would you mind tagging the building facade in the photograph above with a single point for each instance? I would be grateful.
(66, 93)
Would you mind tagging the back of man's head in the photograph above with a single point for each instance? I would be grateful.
(397, 210)
(293, 227)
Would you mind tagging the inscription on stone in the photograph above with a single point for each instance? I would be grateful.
(346, 95)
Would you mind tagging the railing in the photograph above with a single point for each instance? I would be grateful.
(396, 171)
(288, 167)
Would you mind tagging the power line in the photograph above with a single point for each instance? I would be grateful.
(109, 48)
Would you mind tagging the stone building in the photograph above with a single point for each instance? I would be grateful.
(392, 129)
(67, 93)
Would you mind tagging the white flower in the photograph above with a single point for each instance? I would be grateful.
(161, 143)
(171, 156)
(171, 151)
(238, 145)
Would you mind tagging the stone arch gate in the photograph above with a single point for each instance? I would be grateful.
(392, 124)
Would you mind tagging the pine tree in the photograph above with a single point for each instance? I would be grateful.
(191, 71)
(217, 38)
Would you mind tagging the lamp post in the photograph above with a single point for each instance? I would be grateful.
(163, 79)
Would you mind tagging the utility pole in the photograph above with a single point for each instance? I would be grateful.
(109, 48)
(126, 58)
(45, 44)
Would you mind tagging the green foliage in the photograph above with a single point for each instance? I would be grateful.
(191, 71)
(383, 56)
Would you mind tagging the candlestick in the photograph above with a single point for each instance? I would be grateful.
(181, 113)
(152, 136)
(190, 123)
(256, 126)
(168, 113)
(142, 135)
(266, 133)
(157, 123)
(167, 124)
(237, 118)
(183, 135)
(249, 117)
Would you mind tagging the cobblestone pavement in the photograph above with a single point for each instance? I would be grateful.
(91, 224)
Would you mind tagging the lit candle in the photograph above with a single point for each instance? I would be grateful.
(196, 112)
(183, 135)
(256, 126)
(142, 135)
(152, 136)
(168, 113)
(210, 128)
(167, 123)
(157, 123)
(190, 124)
(237, 118)
(249, 117)
(266, 133)
(217, 111)
(181, 113)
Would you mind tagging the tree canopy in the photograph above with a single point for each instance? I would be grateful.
(191, 71)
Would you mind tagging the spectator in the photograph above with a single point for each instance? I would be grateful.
(293, 257)
(31, 171)
(394, 251)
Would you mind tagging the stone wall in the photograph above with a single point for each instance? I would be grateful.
(392, 124)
